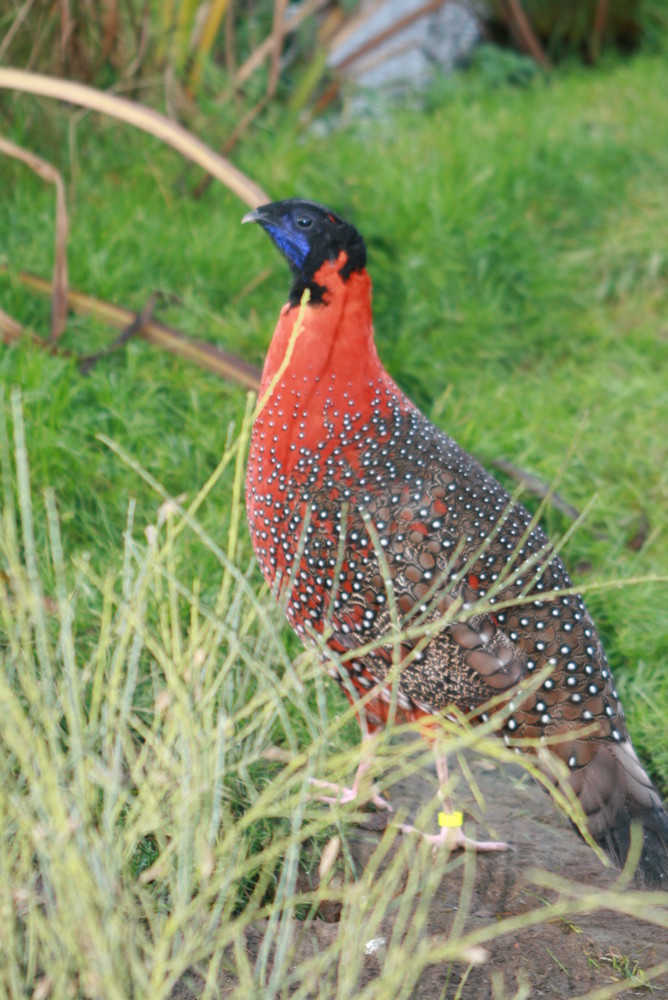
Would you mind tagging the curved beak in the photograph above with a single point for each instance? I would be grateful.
(257, 215)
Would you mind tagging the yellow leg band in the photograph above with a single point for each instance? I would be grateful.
(451, 819)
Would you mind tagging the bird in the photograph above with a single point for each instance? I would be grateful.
(364, 514)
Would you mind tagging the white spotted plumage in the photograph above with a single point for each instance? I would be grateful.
(358, 504)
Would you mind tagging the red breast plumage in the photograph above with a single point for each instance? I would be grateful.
(356, 502)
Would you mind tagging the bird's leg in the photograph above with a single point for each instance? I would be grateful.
(450, 834)
(343, 794)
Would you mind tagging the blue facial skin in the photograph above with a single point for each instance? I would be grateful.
(290, 242)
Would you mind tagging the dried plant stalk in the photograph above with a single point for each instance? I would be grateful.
(277, 36)
(49, 173)
(265, 49)
(141, 117)
(214, 17)
(10, 329)
(525, 36)
(208, 356)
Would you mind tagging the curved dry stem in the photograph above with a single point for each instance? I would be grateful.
(141, 117)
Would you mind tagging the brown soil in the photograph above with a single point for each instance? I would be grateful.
(558, 959)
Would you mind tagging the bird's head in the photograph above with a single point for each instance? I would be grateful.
(308, 235)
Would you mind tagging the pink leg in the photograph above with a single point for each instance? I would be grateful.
(343, 794)
(451, 834)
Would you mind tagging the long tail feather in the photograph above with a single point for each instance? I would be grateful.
(615, 793)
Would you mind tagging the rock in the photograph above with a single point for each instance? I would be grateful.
(411, 56)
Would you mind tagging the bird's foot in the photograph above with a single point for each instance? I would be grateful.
(453, 838)
(344, 795)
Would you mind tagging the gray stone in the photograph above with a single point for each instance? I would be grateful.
(411, 57)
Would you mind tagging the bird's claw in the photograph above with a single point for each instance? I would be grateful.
(454, 840)
(344, 795)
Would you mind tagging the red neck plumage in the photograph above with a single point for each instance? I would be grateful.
(336, 335)
(332, 360)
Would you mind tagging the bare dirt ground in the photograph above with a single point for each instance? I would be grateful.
(562, 958)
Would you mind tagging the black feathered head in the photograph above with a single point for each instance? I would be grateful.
(307, 235)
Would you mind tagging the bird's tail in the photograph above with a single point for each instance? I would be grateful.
(615, 793)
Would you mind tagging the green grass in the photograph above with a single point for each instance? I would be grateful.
(154, 785)
(517, 244)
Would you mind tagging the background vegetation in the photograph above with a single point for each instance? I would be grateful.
(149, 695)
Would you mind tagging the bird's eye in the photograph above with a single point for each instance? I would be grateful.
(304, 221)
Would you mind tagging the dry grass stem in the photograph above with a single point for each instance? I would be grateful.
(59, 284)
(142, 117)
(207, 356)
